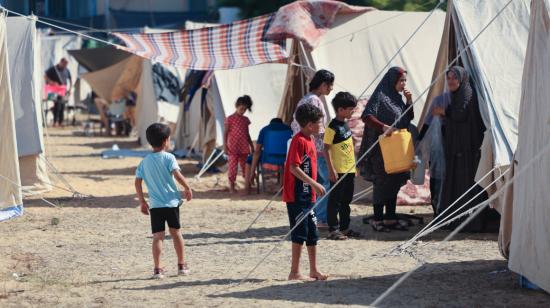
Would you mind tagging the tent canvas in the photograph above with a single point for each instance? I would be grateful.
(356, 49)
(11, 202)
(530, 243)
(94, 59)
(135, 74)
(497, 79)
(264, 83)
(25, 80)
(358, 46)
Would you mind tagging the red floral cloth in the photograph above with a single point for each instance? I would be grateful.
(237, 134)
(308, 20)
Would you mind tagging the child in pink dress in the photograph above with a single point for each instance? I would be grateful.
(237, 142)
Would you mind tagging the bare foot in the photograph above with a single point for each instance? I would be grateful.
(318, 275)
(298, 276)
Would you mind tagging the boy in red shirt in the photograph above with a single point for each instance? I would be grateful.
(299, 191)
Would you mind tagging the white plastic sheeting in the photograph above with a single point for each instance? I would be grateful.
(530, 245)
(26, 80)
(21, 47)
(11, 203)
(358, 47)
(264, 83)
(495, 61)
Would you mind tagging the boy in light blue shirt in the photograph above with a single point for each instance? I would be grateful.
(158, 170)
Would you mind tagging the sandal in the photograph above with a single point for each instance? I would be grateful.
(379, 227)
(351, 233)
(337, 236)
(397, 226)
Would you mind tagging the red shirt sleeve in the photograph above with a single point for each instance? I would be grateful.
(295, 152)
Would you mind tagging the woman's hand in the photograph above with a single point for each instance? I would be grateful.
(438, 111)
(388, 130)
(408, 95)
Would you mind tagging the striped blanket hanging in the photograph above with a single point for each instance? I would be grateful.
(239, 44)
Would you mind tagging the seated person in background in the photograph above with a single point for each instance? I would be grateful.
(130, 114)
(102, 105)
(275, 124)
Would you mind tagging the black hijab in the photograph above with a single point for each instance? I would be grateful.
(464, 94)
(385, 103)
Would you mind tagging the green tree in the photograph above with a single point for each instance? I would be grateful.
(253, 8)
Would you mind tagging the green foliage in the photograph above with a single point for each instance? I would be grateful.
(253, 8)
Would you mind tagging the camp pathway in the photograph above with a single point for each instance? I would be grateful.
(96, 251)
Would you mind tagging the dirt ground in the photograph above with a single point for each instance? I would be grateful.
(96, 251)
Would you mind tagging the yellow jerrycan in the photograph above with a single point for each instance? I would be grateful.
(397, 151)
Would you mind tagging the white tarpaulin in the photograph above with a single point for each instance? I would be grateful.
(264, 83)
(11, 203)
(530, 245)
(21, 47)
(26, 80)
(358, 47)
(497, 76)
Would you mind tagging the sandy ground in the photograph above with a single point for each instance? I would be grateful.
(96, 252)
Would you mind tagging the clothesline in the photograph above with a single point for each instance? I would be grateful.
(37, 19)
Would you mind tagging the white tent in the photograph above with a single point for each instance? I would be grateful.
(530, 243)
(11, 203)
(358, 46)
(264, 83)
(357, 49)
(497, 78)
(25, 77)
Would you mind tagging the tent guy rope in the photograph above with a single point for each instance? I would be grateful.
(441, 74)
(479, 208)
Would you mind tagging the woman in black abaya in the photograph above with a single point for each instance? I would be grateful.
(462, 138)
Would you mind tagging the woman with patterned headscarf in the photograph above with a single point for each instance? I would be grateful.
(384, 107)
(462, 137)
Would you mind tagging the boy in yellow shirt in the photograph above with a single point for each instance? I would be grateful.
(340, 157)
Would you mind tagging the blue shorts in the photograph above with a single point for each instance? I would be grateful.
(307, 229)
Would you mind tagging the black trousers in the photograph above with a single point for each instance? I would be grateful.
(58, 111)
(338, 203)
(390, 204)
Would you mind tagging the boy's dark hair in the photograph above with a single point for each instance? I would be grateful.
(246, 101)
(308, 113)
(156, 134)
(320, 77)
(343, 100)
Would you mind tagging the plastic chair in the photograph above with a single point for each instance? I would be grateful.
(273, 154)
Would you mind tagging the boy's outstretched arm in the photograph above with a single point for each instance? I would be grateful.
(299, 173)
(183, 182)
(144, 207)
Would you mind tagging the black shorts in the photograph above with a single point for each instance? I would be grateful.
(307, 229)
(162, 215)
